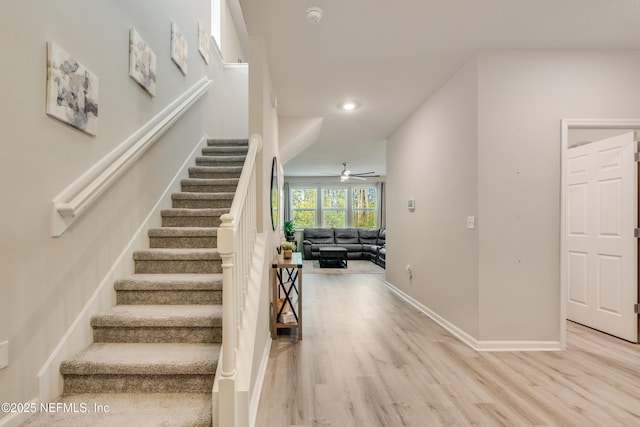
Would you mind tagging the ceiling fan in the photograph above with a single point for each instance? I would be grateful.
(346, 174)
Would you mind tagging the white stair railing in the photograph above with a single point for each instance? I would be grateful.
(236, 238)
(74, 200)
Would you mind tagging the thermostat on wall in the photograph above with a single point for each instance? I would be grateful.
(411, 205)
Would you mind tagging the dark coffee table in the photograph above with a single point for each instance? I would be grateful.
(333, 256)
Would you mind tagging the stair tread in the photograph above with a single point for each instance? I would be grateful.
(216, 168)
(143, 359)
(194, 212)
(176, 254)
(164, 315)
(226, 195)
(183, 231)
(184, 281)
(222, 157)
(139, 409)
(210, 181)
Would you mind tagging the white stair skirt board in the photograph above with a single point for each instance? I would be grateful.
(475, 344)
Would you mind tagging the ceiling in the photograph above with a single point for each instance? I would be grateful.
(391, 55)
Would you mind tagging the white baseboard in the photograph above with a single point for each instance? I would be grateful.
(80, 335)
(257, 387)
(472, 342)
(17, 418)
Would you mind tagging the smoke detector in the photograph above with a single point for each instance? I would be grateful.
(314, 14)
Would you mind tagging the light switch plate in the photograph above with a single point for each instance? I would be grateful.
(471, 222)
(4, 354)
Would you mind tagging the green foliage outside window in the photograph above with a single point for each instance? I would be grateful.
(334, 218)
(363, 207)
(303, 202)
(335, 204)
(304, 219)
(334, 207)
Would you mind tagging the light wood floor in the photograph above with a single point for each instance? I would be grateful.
(368, 359)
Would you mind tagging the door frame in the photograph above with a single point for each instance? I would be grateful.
(567, 124)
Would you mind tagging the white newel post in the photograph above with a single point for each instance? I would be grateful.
(227, 402)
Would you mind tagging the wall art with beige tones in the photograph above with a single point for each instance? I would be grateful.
(142, 63)
(72, 91)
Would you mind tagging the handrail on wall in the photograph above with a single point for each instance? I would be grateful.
(84, 191)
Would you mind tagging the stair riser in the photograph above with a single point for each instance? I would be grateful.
(183, 242)
(213, 174)
(191, 221)
(218, 161)
(158, 335)
(202, 383)
(228, 143)
(189, 188)
(178, 266)
(168, 297)
(202, 203)
(225, 151)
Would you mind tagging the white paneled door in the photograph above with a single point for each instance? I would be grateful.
(601, 249)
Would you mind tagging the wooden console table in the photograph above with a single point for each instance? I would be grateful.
(286, 283)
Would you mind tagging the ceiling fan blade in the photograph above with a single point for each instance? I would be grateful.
(362, 173)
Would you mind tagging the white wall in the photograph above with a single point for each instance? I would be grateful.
(263, 120)
(432, 158)
(45, 281)
(232, 49)
(489, 142)
(522, 98)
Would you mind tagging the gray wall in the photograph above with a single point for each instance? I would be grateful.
(522, 98)
(432, 158)
(45, 281)
(488, 144)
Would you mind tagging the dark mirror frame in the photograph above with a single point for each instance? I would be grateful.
(274, 193)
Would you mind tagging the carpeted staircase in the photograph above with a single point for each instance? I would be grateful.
(154, 355)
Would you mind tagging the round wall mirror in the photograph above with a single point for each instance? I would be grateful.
(274, 193)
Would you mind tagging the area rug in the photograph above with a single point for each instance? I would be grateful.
(353, 267)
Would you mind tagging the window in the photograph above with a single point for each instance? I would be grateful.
(363, 207)
(216, 21)
(334, 207)
(304, 207)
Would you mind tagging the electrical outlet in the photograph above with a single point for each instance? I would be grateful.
(4, 354)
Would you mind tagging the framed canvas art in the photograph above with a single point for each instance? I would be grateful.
(203, 42)
(142, 63)
(72, 91)
(179, 49)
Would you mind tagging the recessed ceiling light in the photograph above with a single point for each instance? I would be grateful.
(348, 105)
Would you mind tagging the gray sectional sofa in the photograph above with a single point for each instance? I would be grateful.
(360, 243)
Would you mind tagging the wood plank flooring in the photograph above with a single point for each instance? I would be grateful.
(369, 359)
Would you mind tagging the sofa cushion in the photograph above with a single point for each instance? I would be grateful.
(315, 247)
(370, 248)
(382, 236)
(350, 247)
(318, 235)
(368, 236)
(346, 235)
